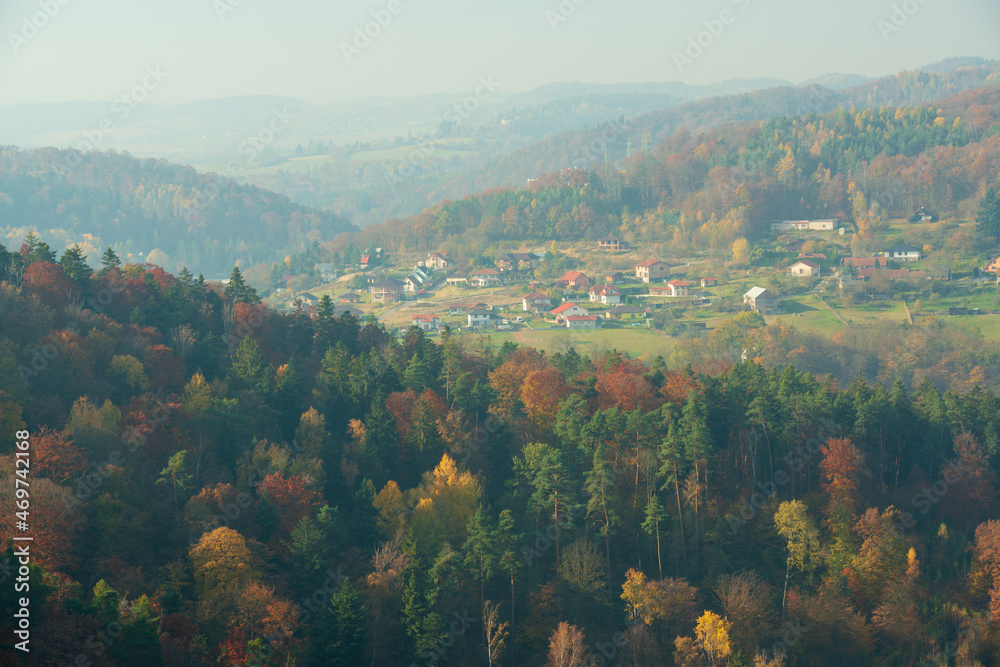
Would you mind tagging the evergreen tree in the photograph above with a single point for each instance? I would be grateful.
(249, 370)
(337, 635)
(988, 214)
(74, 266)
(110, 259)
(237, 291)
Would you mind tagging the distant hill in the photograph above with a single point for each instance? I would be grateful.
(688, 190)
(837, 81)
(168, 212)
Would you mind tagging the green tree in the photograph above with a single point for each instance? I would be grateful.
(75, 267)
(337, 636)
(793, 522)
(655, 515)
(988, 214)
(237, 291)
(249, 370)
(110, 259)
(176, 474)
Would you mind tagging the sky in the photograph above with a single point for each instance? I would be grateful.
(99, 50)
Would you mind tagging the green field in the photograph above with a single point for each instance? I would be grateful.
(424, 151)
(637, 341)
(807, 313)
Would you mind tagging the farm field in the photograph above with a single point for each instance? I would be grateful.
(637, 341)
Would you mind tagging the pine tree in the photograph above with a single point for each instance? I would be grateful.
(237, 291)
(988, 214)
(74, 266)
(337, 636)
(249, 370)
(110, 259)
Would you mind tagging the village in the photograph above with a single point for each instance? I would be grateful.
(625, 296)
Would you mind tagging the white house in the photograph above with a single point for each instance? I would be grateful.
(568, 309)
(803, 268)
(479, 318)
(427, 322)
(678, 287)
(904, 253)
(607, 294)
(761, 300)
(581, 322)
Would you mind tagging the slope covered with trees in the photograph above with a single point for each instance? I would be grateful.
(707, 190)
(167, 211)
(216, 483)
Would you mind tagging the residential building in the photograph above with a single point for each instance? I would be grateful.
(365, 261)
(419, 278)
(761, 300)
(867, 262)
(486, 278)
(994, 265)
(567, 309)
(325, 270)
(574, 280)
(536, 301)
(709, 282)
(678, 287)
(464, 308)
(804, 225)
(661, 290)
(340, 310)
(615, 278)
(611, 243)
(518, 261)
(457, 279)
(803, 268)
(349, 297)
(479, 318)
(581, 321)
(427, 322)
(607, 294)
(627, 313)
(387, 290)
(651, 270)
(438, 261)
(904, 253)
(308, 298)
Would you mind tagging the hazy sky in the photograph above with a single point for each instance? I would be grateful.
(100, 49)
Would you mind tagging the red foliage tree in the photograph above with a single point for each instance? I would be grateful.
(165, 370)
(47, 280)
(626, 386)
(290, 498)
(400, 406)
(55, 457)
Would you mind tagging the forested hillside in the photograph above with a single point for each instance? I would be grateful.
(706, 190)
(169, 212)
(432, 169)
(216, 483)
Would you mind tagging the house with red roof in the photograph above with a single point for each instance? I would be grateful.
(427, 322)
(678, 288)
(803, 268)
(486, 278)
(576, 280)
(536, 301)
(709, 282)
(568, 309)
(607, 294)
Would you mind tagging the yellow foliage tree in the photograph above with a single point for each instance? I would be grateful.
(741, 251)
(712, 632)
(221, 558)
(392, 510)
